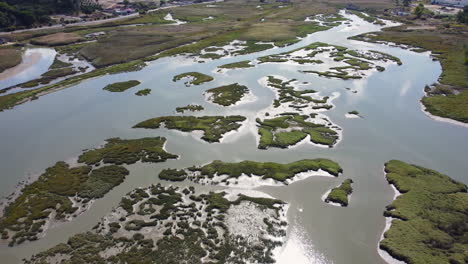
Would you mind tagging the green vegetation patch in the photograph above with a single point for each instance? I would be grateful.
(287, 93)
(25, 217)
(291, 128)
(341, 193)
(128, 151)
(196, 78)
(236, 65)
(453, 106)
(431, 216)
(213, 127)
(228, 94)
(143, 92)
(190, 107)
(173, 175)
(119, 87)
(265, 170)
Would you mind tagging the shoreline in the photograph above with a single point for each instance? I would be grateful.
(441, 119)
(388, 223)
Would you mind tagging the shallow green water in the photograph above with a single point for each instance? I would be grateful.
(58, 126)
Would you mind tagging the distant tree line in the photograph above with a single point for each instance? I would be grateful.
(462, 16)
(26, 13)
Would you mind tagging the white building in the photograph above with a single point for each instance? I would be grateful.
(457, 3)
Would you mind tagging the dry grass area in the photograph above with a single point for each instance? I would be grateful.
(236, 19)
(57, 39)
(9, 58)
(124, 45)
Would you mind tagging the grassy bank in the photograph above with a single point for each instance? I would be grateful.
(49, 76)
(430, 216)
(448, 45)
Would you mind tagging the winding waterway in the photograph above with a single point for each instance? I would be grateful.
(58, 126)
(35, 62)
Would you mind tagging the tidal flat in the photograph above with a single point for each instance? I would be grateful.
(166, 223)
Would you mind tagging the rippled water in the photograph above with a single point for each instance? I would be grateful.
(58, 126)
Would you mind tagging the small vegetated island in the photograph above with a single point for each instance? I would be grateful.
(224, 173)
(340, 194)
(195, 78)
(353, 114)
(429, 217)
(119, 87)
(190, 107)
(236, 65)
(297, 117)
(143, 92)
(227, 95)
(344, 63)
(213, 127)
(62, 192)
(163, 224)
(291, 128)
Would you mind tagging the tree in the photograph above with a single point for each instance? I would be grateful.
(397, 2)
(419, 10)
(462, 16)
(406, 3)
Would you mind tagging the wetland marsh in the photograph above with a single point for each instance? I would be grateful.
(83, 116)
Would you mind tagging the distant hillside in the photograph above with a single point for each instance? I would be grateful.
(25, 13)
